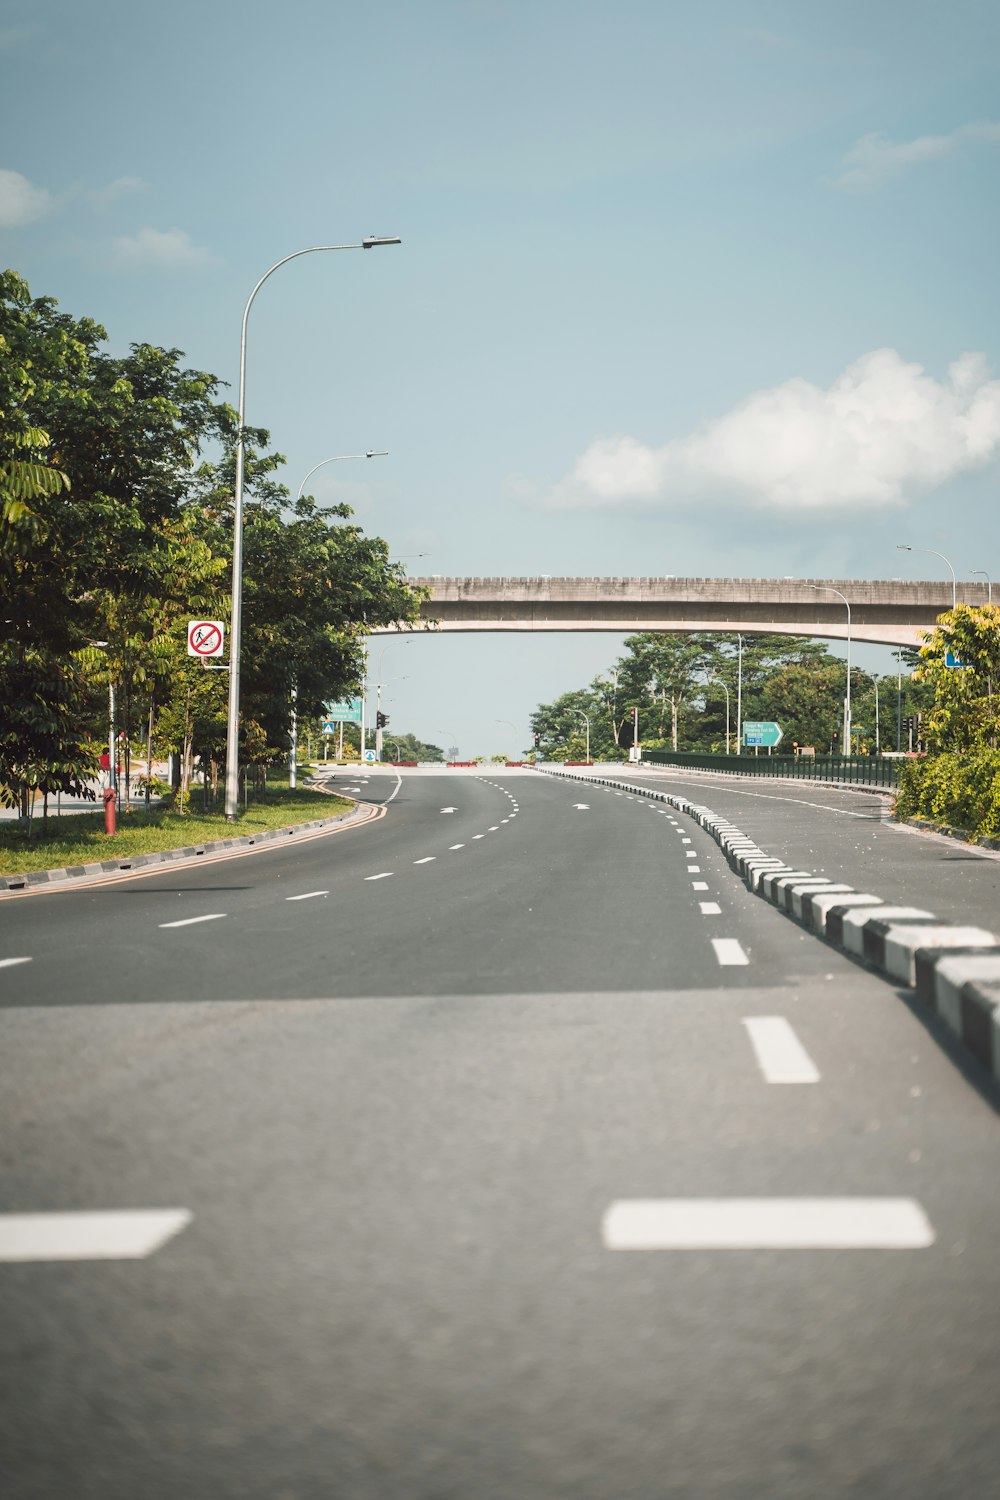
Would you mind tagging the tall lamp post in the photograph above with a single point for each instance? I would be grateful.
(982, 573)
(379, 685)
(236, 620)
(739, 693)
(905, 547)
(824, 588)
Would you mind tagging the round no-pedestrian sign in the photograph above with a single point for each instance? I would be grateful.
(205, 637)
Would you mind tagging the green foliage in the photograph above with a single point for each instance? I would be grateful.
(955, 789)
(409, 747)
(115, 528)
(965, 712)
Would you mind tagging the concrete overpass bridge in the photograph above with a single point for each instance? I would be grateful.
(888, 612)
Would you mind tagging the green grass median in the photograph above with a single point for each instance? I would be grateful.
(79, 838)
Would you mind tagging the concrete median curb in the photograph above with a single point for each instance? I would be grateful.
(33, 879)
(953, 970)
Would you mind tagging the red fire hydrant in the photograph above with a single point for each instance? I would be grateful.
(110, 810)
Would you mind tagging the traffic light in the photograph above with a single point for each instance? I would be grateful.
(381, 719)
(538, 739)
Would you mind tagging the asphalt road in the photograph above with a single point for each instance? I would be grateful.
(485, 1179)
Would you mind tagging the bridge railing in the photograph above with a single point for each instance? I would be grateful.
(863, 770)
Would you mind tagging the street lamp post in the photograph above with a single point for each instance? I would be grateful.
(236, 619)
(379, 685)
(982, 573)
(824, 588)
(905, 547)
(739, 693)
(339, 458)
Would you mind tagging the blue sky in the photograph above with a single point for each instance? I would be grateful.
(682, 289)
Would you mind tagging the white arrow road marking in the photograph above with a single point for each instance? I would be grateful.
(780, 1054)
(308, 896)
(428, 859)
(384, 876)
(728, 952)
(8, 963)
(212, 916)
(449, 809)
(767, 1224)
(124, 1234)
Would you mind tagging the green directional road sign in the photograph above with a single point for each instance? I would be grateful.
(761, 732)
(348, 712)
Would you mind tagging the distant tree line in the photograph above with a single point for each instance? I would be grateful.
(116, 518)
(678, 683)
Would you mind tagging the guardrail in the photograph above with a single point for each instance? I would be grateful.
(862, 770)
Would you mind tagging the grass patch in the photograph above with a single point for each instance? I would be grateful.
(79, 838)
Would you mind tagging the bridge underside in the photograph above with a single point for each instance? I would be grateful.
(890, 613)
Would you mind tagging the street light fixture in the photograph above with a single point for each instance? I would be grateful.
(339, 458)
(905, 547)
(982, 573)
(236, 619)
(824, 588)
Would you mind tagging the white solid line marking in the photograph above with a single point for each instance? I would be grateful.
(766, 1224)
(729, 952)
(780, 1054)
(384, 876)
(428, 859)
(123, 1234)
(212, 916)
(710, 908)
(699, 885)
(456, 846)
(8, 963)
(307, 896)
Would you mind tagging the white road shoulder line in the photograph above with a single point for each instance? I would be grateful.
(728, 952)
(307, 896)
(212, 916)
(123, 1234)
(766, 1224)
(8, 963)
(780, 1055)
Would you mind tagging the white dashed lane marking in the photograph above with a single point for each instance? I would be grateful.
(124, 1234)
(427, 860)
(307, 896)
(8, 963)
(384, 876)
(699, 885)
(780, 1054)
(710, 908)
(212, 916)
(767, 1224)
(451, 846)
(728, 952)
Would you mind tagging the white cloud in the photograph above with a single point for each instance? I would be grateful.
(160, 250)
(875, 158)
(20, 202)
(883, 428)
(113, 192)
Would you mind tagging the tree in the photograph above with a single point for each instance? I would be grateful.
(964, 715)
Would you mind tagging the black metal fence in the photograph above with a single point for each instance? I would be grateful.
(863, 770)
